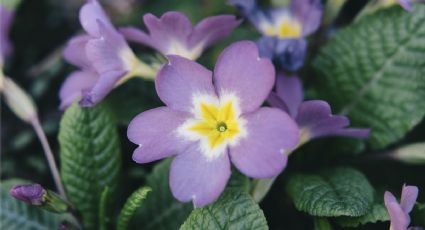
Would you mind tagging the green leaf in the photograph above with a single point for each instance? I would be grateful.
(373, 71)
(336, 192)
(17, 215)
(133, 202)
(377, 213)
(103, 209)
(90, 158)
(322, 224)
(161, 211)
(234, 209)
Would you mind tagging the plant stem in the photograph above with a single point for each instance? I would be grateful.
(49, 156)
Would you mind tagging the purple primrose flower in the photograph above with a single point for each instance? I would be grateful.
(173, 33)
(284, 29)
(6, 18)
(29, 193)
(399, 212)
(212, 119)
(314, 117)
(104, 57)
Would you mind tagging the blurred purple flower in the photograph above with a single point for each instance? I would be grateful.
(284, 29)
(211, 119)
(6, 18)
(173, 33)
(408, 4)
(314, 117)
(104, 57)
(29, 193)
(399, 213)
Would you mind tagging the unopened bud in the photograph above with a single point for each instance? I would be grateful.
(35, 194)
(18, 100)
(411, 154)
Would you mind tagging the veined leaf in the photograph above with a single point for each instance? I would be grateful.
(161, 211)
(235, 209)
(16, 215)
(90, 158)
(133, 202)
(377, 213)
(374, 72)
(337, 192)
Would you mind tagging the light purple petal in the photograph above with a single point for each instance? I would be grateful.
(317, 118)
(309, 13)
(267, 46)
(241, 71)
(135, 35)
(180, 81)
(90, 13)
(104, 53)
(106, 82)
(276, 102)
(409, 194)
(406, 4)
(194, 177)
(399, 219)
(74, 86)
(154, 132)
(263, 153)
(212, 29)
(75, 51)
(290, 90)
(251, 11)
(6, 18)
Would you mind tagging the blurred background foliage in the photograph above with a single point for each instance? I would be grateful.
(39, 33)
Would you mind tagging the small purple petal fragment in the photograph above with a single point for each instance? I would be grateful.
(6, 18)
(290, 90)
(309, 13)
(406, 4)
(197, 178)
(262, 154)
(74, 86)
(179, 81)
(399, 219)
(135, 35)
(409, 195)
(240, 70)
(90, 14)
(28, 193)
(291, 53)
(155, 133)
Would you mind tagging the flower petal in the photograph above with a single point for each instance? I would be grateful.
(290, 90)
(406, 4)
(102, 87)
(6, 18)
(309, 13)
(399, 219)
(180, 81)
(75, 51)
(134, 34)
(74, 86)
(194, 177)
(263, 152)
(212, 29)
(409, 194)
(317, 118)
(267, 46)
(90, 13)
(291, 53)
(155, 133)
(276, 102)
(241, 71)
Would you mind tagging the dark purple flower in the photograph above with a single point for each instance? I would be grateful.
(212, 119)
(399, 212)
(6, 18)
(173, 33)
(284, 28)
(314, 117)
(104, 57)
(29, 193)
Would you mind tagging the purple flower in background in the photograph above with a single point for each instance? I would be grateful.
(29, 193)
(408, 4)
(284, 29)
(173, 33)
(399, 212)
(104, 57)
(211, 119)
(6, 18)
(314, 117)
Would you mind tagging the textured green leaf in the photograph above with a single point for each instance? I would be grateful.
(234, 210)
(90, 158)
(374, 72)
(133, 202)
(161, 211)
(337, 192)
(104, 208)
(17, 215)
(377, 213)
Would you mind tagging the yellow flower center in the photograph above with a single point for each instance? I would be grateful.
(215, 124)
(285, 28)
